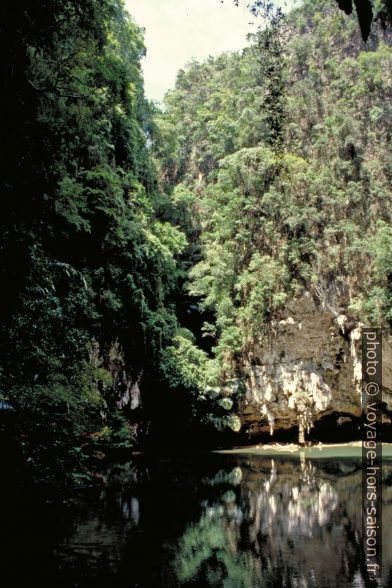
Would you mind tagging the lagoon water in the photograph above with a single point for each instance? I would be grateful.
(231, 520)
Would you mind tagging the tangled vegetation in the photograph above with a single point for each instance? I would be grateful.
(173, 236)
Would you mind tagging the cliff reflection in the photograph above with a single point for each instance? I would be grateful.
(274, 528)
(239, 522)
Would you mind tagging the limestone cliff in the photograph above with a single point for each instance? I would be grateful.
(307, 367)
(122, 388)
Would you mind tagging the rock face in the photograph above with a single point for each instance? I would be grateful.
(124, 389)
(307, 367)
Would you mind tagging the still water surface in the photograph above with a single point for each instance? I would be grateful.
(221, 520)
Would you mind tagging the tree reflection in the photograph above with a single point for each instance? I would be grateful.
(286, 525)
(243, 521)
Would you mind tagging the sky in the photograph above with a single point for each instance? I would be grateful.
(179, 30)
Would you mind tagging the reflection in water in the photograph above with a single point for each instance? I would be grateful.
(268, 531)
(223, 521)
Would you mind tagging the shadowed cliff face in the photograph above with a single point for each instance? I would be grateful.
(307, 367)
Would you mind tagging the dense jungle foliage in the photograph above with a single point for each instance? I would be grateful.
(147, 247)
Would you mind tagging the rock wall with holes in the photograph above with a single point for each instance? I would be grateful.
(307, 367)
